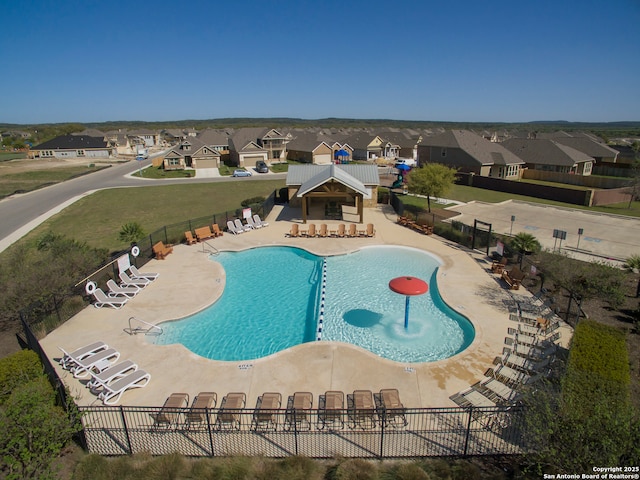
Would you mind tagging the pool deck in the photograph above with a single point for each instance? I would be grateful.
(189, 282)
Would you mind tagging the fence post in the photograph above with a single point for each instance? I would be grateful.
(206, 412)
(382, 425)
(126, 429)
(466, 437)
(295, 430)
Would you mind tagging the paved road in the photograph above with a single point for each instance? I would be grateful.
(21, 213)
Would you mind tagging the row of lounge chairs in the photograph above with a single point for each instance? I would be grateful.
(418, 227)
(252, 223)
(364, 410)
(106, 378)
(203, 233)
(118, 294)
(339, 231)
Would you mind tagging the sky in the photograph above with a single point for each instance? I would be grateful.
(91, 61)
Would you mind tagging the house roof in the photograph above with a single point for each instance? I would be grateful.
(355, 176)
(331, 172)
(542, 151)
(481, 149)
(72, 142)
(214, 137)
(587, 146)
(244, 136)
(196, 146)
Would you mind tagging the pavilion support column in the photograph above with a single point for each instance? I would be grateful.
(304, 209)
(360, 202)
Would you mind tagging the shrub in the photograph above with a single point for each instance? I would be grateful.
(17, 369)
(356, 469)
(252, 201)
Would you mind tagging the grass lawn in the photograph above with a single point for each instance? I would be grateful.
(5, 156)
(161, 173)
(32, 180)
(98, 218)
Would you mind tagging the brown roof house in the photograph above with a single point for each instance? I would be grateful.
(333, 191)
(550, 156)
(317, 147)
(190, 153)
(250, 145)
(470, 153)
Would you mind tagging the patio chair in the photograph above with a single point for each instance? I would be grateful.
(352, 231)
(497, 266)
(233, 229)
(161, 250)
(111, 394)
(137, 274)
(128, 281)
(265, 415)
(496, 391)
(240, 226)
(298, 410)
(472, 398)
(189, 238)
(370, 231)
(230, 414)
(197, 414)
(258, 220)
(253, 224)
(392, 409)
(294, 232)
(204, 233)
(110, 374)
(323, 232)
(170, 412)
(69, 360)
(311, 232)
(99, 361)
(115, 289)
(102, 300)
(215, 228)
(341, 230)
(331, 410)
(362, 409)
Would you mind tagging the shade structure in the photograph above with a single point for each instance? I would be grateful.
(342, 153)
(408, 286)
(403, 167)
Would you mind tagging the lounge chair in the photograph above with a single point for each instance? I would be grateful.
(232, 228)
(68, 360)
(197, 414)
(352, 231)
(513, 277)
(311, 232)
(362, 408)
(161, 250)
(215, 228)
(111, 394)
(170, 411)
(265, 415)
(114, 372)
(258, 220)
(189, 238)
(496, 390)
(137, 274)
(99, 361)
(127, 281)
(370, 231)
(240, 226)
(497, 266)
(253, 224)
(230, 414)
(204, 233)
(331, 410)
(102, 300)
(392, 407)
(298, 410)
(323, 232)
(341, 230)
(472, 398)
(115, 289)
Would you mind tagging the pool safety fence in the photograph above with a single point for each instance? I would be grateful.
(316, 433)
(323, 294)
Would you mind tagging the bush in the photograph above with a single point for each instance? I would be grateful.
(252, 201)
(17, 369)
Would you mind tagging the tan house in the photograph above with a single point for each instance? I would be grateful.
(325, 191)
(190, 153)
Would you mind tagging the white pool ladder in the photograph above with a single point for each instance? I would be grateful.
(145, 327)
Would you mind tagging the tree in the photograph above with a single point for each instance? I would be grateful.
(432, 180)
(525, 244)
(131, 232)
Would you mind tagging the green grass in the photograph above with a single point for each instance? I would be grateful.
(157, 173)
(32, 180)
(6, 156)
(98, 218)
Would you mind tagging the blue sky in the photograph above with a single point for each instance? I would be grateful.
(499, 61)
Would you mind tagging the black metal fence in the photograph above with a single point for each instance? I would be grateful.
(420, 432)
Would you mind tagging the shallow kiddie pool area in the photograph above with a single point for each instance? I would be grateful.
(274, 298)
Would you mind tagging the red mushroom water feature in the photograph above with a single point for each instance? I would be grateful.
(408, 286)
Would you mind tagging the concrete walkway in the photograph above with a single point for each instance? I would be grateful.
(189, 281)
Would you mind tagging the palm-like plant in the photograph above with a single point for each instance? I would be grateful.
(525, 244)
(131, 232)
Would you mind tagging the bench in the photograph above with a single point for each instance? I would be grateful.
(160, 250)
(204, 233)
(513, 277)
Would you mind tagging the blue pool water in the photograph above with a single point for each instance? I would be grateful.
(272, 298)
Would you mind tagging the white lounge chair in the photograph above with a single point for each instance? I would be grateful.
(99, 361)
(103, 300)
(135, 274)
(253, 224)
(127, 281)
(239, 225)
(111, 374)
(115, 289)
(69, 360)
(232, 228)
(258, 221)
(111, 394)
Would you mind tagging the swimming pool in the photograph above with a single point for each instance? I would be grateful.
(271, 302)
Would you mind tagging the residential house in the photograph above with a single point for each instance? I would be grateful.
(550, 155)
(250, 145)
(316, 188)
(144, 137)
(190, 153)
(72, 146)
(469, 152)
(317, 147)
